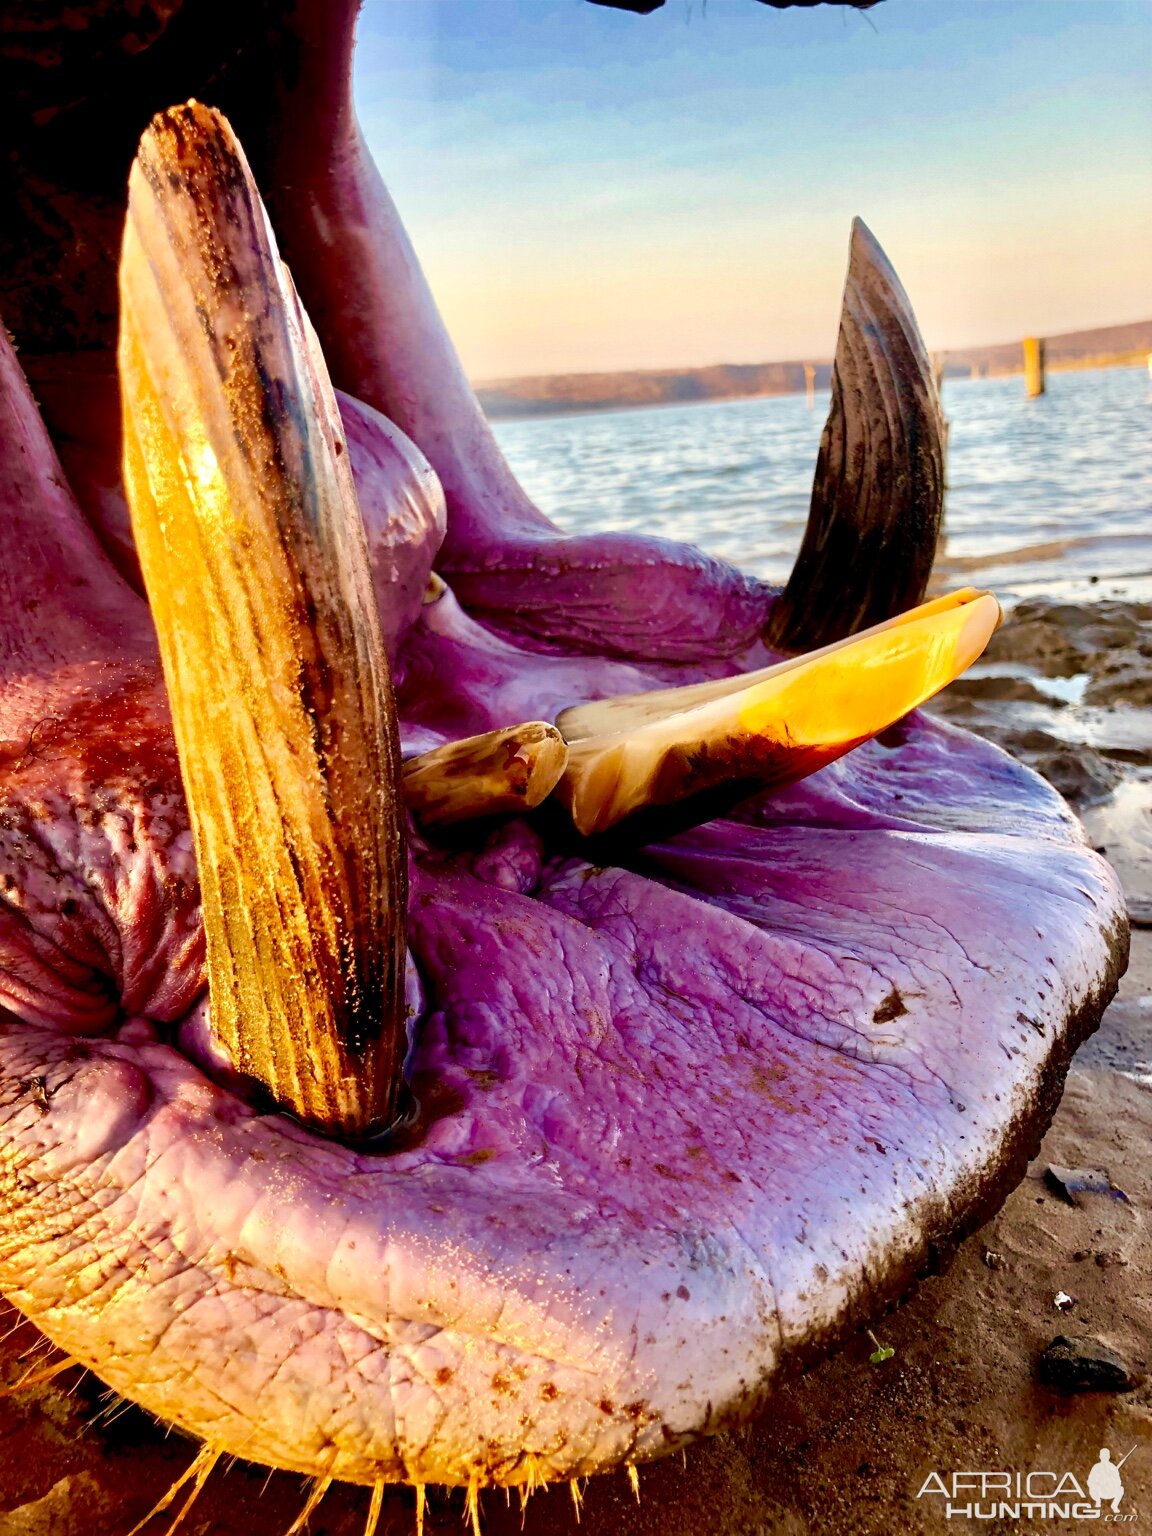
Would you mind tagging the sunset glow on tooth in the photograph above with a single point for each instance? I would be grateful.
(791, 722)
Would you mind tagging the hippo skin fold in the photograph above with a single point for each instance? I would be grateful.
(688, 1114)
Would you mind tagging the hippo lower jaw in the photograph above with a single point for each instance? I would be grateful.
(620, 1218)
(686, 1117)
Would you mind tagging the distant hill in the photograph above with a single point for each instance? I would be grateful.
(550, 393)
(557, 393)
(1107, 344)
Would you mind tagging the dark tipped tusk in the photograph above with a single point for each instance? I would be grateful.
(878, 494)
(256, 568)
(731, 739)
(489, 775)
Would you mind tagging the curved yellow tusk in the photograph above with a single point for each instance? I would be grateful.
(772, 727)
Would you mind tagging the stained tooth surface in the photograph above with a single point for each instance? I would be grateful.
(878, 494)
(498, 772)
(254, 559)
(742, 735)
(631, 710)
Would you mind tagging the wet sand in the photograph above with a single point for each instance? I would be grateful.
(847, 1447)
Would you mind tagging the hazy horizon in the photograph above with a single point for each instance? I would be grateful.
(590, 190)
(824, 358)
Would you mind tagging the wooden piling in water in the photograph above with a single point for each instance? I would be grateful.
(1033, 366)
(810, 385)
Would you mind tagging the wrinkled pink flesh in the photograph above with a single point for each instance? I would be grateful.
(682, 1118)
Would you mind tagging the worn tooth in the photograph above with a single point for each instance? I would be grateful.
(254, 558)
(501, 771)
(728, 740)
(878, 494)
(628, 711)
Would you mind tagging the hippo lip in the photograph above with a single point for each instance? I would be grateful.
(686, 1117)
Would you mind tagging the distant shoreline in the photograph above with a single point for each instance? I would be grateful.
(641, 389)
(546, 410)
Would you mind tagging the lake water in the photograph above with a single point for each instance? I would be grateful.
(1044, 495)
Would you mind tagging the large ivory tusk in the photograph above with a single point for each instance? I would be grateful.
(254, 559)
(747, 734)
(878, 494)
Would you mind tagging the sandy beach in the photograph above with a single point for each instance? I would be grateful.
(848, 1447)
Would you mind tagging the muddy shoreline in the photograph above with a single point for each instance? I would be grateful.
(1066, 686)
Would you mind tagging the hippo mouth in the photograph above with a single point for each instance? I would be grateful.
(476, 1004)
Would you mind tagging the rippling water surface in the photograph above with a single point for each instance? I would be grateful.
(1044, 495)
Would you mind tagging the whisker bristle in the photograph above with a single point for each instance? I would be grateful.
(198, 1469)
(34, 1377)
(319, 1488)
(472, 1504)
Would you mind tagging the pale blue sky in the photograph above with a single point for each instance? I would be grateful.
(588, 188)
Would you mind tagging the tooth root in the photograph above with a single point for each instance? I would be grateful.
(878, 495)
(499, 772)
(768, 731)
(254, 559)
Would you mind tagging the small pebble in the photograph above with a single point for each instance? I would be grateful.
(1106, 1257)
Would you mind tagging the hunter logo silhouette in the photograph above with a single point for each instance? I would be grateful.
(1105, 1484)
